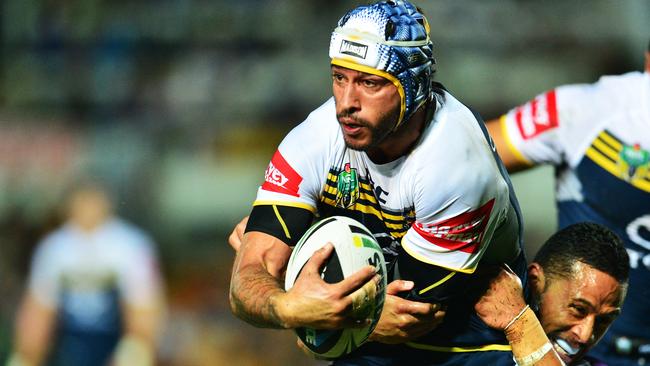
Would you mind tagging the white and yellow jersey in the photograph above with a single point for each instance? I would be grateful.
(435, 211)
(442, 202)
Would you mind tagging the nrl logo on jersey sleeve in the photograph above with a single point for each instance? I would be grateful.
(347, 187)
(354, 49)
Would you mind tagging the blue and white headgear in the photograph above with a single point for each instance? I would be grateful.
(389, 39)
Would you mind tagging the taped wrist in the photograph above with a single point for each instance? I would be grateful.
(527, 338)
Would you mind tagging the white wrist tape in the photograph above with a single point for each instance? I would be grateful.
(535, 356)
(516, 317)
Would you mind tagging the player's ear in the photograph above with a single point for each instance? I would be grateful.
(536, 277)
(647, 61)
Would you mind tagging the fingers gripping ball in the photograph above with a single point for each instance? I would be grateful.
(354, 248)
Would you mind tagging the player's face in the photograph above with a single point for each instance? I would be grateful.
(576, 311)
(367, 107)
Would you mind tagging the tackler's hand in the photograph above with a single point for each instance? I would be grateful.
(502, 301)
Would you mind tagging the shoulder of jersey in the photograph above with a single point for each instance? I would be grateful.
(450, 117)
(623, 86)
(130, 234)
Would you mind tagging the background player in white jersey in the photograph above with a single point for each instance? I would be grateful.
(598, 138)
(94, 294)
(397, 152)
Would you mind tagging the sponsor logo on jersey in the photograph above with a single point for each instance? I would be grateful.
(460, 233)
(353, 49)
(280, 177)
(537, 116)
(347, 187)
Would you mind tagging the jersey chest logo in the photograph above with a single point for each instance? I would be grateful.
(347, 187)
(630, 163)
(633, 162)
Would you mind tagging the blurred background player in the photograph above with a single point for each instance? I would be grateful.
(598, 138)
(578, 281)
(394, 150)
(94, 294)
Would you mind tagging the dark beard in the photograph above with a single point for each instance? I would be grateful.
(377, 133)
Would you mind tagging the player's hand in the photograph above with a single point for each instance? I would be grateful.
(502, 301)
(237, 236)
(314, 303)
(404, 320)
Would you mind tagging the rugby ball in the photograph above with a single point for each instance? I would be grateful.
(354, 248)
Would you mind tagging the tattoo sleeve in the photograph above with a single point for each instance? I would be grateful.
(251, 297)
(255, 286)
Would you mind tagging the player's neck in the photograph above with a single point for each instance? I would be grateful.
(400, 142)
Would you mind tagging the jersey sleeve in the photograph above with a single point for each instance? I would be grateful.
(294, 176)
(553, 126)
(293, 181)
(45, 270)
(139, 277)
(460, 198)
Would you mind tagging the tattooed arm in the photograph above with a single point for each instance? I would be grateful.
(257, 295)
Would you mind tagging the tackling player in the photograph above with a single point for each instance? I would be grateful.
(578, 281)
(598, 138)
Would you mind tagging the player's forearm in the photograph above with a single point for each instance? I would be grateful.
(33, 332)
(530, 345)
(255, 297)
(138, 344)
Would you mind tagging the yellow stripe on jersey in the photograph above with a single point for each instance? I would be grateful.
(510, 144)
(602, 161)
(440, 282)
(606, 149)
(284, 225)
(396, 222)
(426, 260)
(483, 348)
(611, 141)
(287, 204)
(605, 152)
(399, 229)
(643, 184)
(331, 189)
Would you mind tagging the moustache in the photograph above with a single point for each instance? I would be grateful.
(355, 120)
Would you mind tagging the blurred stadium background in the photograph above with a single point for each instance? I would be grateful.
(179, 104)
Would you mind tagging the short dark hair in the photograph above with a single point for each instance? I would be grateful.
(590, 243)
